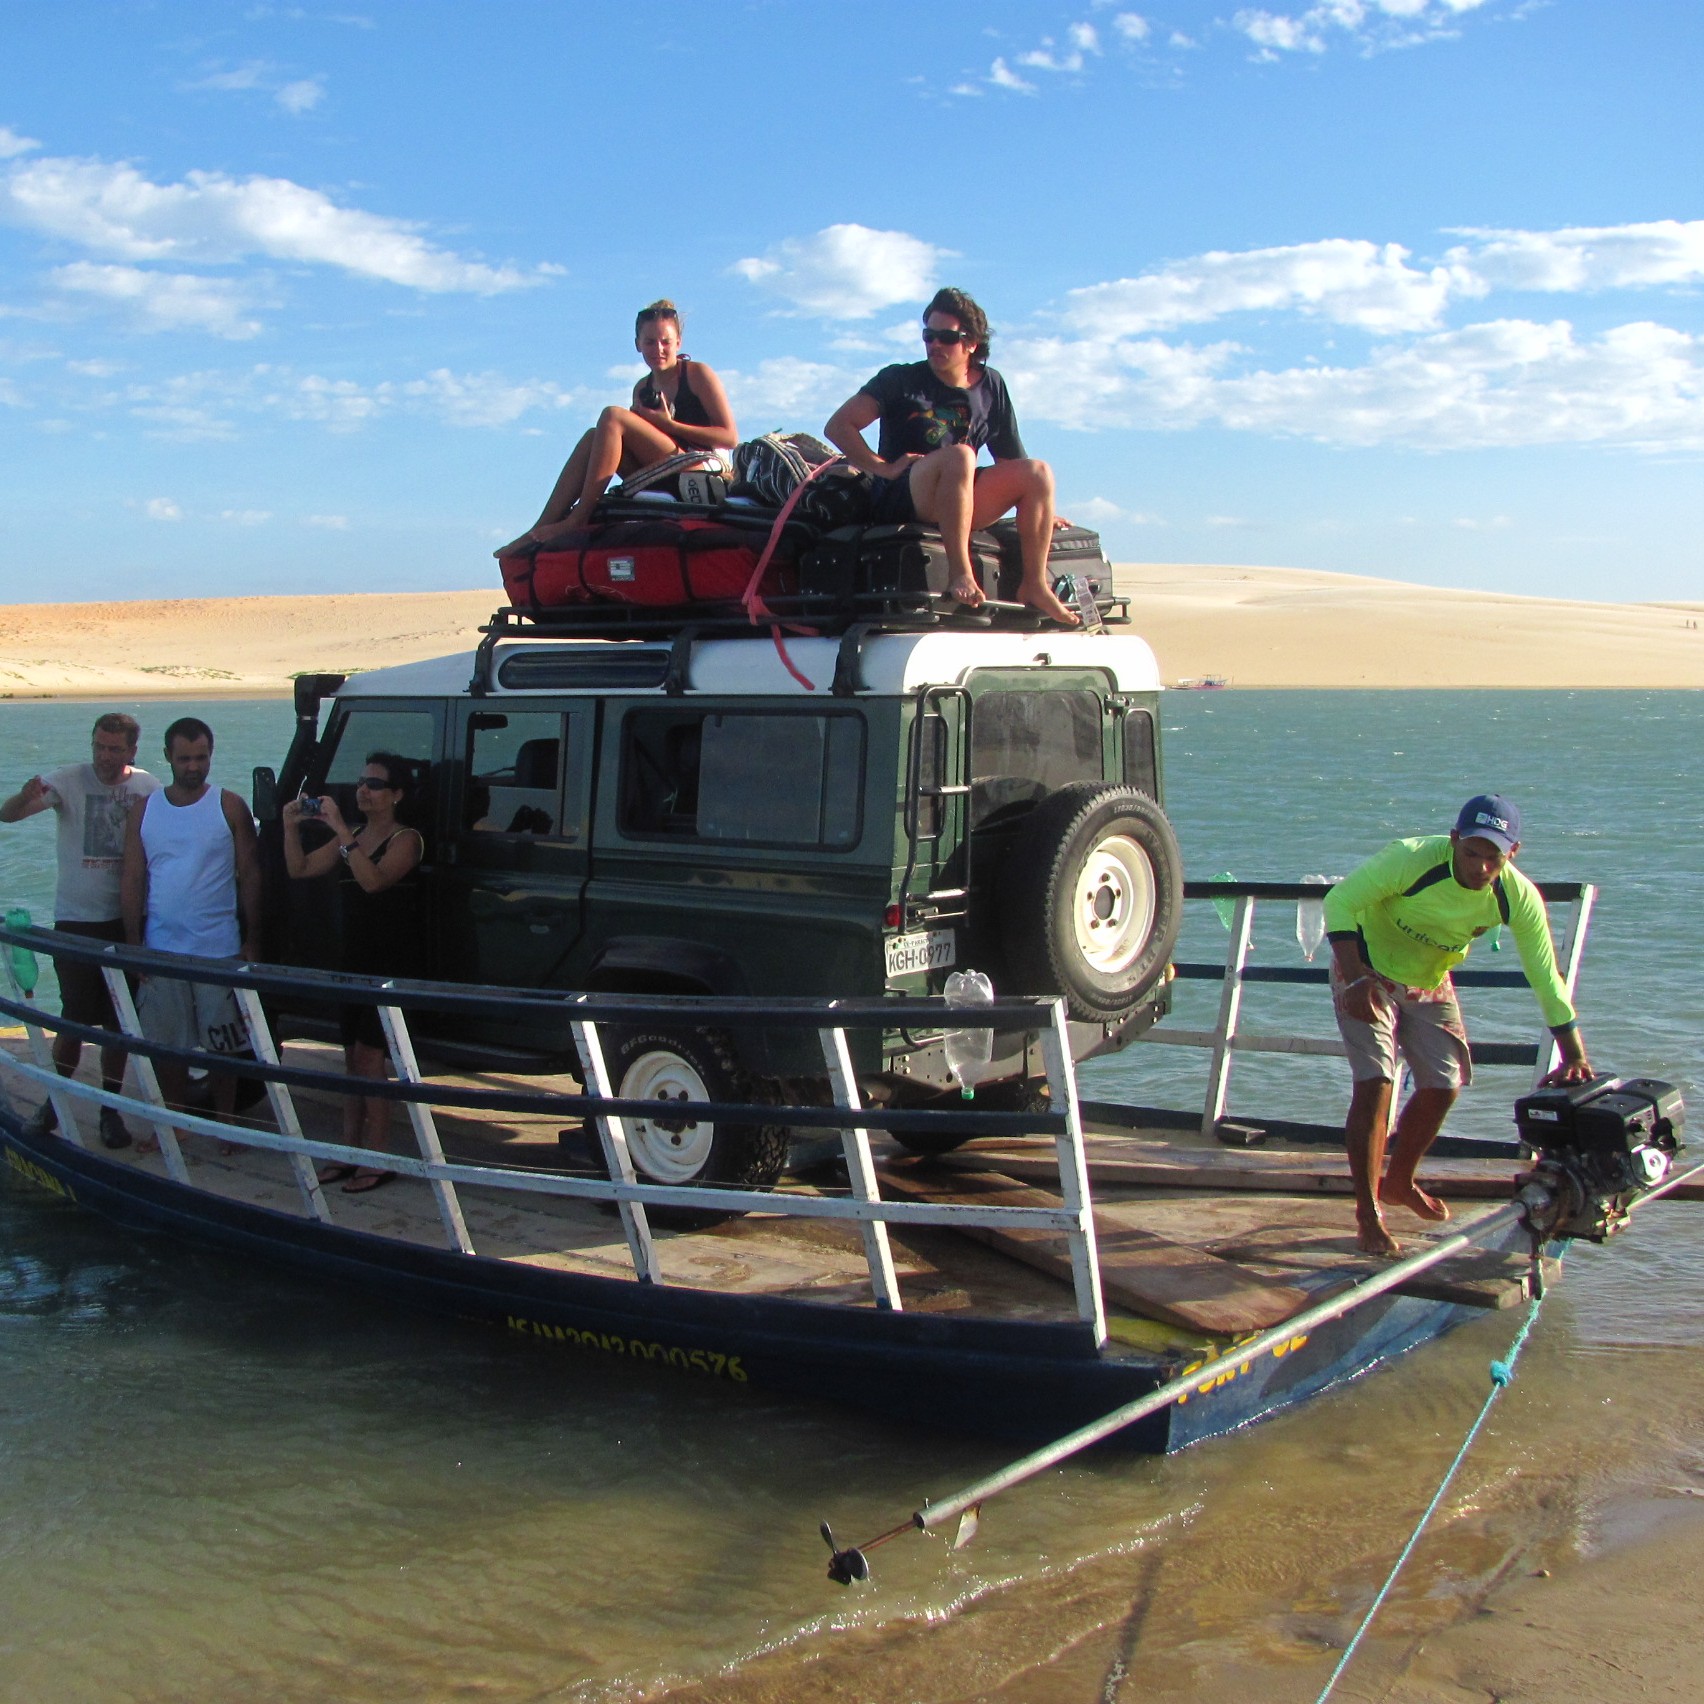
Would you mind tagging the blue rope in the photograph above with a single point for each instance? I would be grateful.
(1501, 1373)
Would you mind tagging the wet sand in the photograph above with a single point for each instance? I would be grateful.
(1256, 626)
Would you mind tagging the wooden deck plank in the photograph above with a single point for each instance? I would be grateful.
(1172, 1282)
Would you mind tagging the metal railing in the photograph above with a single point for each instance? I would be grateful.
(1227, 1037)
(581, 1015)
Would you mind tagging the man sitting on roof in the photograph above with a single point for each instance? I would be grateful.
(935, 415)
(1398, 926)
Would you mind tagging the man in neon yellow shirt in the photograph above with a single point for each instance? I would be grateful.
(1398, 926)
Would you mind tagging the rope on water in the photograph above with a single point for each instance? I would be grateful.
(1501, 1373)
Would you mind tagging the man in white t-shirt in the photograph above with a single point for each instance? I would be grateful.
(92, 801)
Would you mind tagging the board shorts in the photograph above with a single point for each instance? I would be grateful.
(890, 501)
(200, 1015)
(83, 996)
(1421, 1025)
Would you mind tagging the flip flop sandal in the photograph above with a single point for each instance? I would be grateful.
(336, 1172)
(365, 1181)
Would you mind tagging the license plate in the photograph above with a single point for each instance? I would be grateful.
(928, 949)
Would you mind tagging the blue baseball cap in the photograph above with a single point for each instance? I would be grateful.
(1489, 816)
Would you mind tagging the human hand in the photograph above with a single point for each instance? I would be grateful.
(292, 812)
(1361, 998)
(332, 817)
(661, 418)
(34, 793)
(897, 468)
(1570, 1071)
(1060, 523)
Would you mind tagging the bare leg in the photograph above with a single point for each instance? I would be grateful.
(1417, 1128)
(1364, 1136)
(67, 1050)
(1027, 486)
(942, 486)
(374, 1114)
(112, 1069)
(620, 443)
(569, 484)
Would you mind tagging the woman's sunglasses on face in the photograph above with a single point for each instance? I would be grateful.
(373, 784)
(931, 335)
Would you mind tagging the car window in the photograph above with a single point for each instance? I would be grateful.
(514, 773)
(778, 779)
(1025, 745)
(408, 734)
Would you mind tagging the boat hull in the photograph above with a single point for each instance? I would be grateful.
(1018, 1380)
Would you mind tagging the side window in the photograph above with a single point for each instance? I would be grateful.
(1025, 745)
(514, 773)
(408, 734)
(1139, 768)
(778, 780)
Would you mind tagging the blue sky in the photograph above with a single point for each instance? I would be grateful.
(318, 297)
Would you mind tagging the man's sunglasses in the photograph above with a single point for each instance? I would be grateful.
(930, 335)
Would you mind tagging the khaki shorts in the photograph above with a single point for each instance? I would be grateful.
(1422, 1025)
(191, 1015)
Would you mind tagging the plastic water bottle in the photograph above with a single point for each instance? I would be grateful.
(1310, 917)
(1226, 908)
(968, 1050)
(25, 971)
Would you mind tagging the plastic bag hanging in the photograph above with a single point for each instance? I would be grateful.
(1226, 908)
(968, 1051)
(1310, 916)
(26, 972)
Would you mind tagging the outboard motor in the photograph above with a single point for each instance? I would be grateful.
(1600, 1145)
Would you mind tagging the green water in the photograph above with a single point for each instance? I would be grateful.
(217, 1483)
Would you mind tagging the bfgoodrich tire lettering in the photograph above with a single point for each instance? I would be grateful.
(1091, 899)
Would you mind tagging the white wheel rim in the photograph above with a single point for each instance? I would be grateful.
(670, 1151)
(1114, 905)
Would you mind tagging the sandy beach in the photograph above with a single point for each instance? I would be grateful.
(1257, 627)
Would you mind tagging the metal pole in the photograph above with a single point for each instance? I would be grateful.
(1230, 1009)
(938, 1514)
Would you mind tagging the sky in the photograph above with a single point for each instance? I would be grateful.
(318, 298)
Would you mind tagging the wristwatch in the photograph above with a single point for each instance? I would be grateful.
(344, 851)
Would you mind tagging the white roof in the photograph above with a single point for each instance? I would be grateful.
(890, 664)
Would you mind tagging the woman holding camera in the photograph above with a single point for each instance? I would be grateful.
(381, 928)
(678, 405)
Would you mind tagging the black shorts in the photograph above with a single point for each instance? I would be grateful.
(892, 505)
(82, 989)
(361, 1023)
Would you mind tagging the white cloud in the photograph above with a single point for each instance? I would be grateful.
(209, 217)
(1496, 384)
(846, 271)
(787, 389)
(1370, 25)
(1132, 26)
(162, 509)
(303, 95)
(237, 80)
(1350, 282)
(12, 144)
(162, 301)
(1002, 76)
(1602, 257)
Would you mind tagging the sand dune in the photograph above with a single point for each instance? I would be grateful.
(1257, 626)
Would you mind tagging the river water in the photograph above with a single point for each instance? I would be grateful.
(220, 1483)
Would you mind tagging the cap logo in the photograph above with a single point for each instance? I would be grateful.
(1486, 820)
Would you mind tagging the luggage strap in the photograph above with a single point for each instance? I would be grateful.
(756, 609)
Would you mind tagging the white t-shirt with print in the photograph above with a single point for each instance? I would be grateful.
(91, 839)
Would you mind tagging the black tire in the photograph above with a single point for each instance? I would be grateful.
(1016, 1094)
(691, 1065)
(1091, 899)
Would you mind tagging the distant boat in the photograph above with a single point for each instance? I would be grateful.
(1202, 683)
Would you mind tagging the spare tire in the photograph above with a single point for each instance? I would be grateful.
(1091, 897)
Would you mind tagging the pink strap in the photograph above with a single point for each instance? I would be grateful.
(755, 607)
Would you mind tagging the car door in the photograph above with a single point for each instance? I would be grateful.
(517, 841)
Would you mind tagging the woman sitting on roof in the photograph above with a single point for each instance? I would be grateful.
(678, 405)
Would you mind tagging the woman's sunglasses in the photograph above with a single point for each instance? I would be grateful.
(930, 335)
(374, 784)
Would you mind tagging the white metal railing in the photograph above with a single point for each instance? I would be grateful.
(1227, 1037)
(863, 1205)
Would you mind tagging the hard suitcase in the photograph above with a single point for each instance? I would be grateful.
(901, 565)
(1075, 550)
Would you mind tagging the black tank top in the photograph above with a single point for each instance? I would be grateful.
(689, 409)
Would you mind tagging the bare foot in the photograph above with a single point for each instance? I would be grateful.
(524, 542)
(147, 1144)
(1415, 1199)
(965, 589)
(1371, 1237)
(1043, 602)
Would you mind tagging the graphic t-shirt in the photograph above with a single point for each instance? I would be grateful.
(920, 414)
(91, 839)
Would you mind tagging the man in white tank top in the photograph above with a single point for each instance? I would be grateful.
(191, 868)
